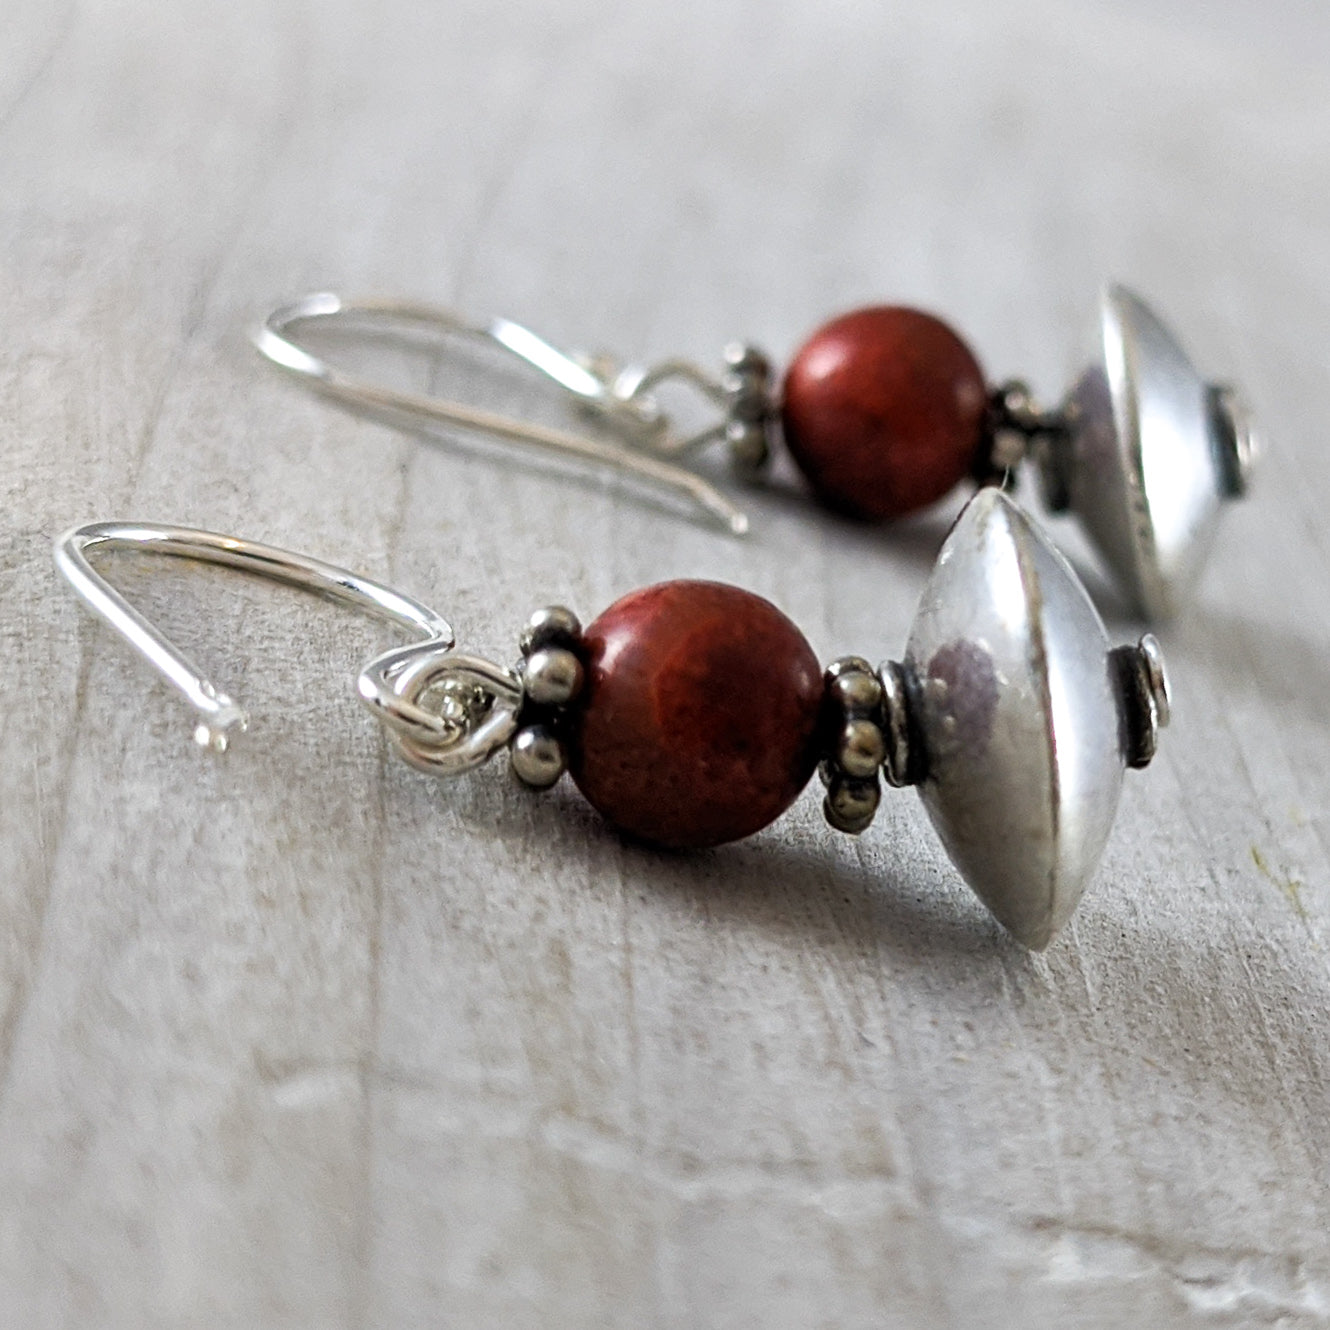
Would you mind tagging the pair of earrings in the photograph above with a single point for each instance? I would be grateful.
(884, 410)
(693, 713)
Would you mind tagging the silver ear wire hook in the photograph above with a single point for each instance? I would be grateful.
(619, 399)
(220, 714)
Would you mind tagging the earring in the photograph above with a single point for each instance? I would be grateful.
(693, 713)
(884, 410)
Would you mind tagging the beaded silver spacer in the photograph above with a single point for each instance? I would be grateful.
(553, 677)
(856, 746)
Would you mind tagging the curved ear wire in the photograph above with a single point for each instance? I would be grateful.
(621, 402)
(220, 714)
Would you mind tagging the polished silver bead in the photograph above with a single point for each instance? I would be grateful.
(856, 692)
(1021, 716)
(1149, 455)
(552, 676)
(537, 756)
(554, 625)
(860, 748)
(850, 805)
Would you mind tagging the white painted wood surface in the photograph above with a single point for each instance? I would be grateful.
(299, 1038)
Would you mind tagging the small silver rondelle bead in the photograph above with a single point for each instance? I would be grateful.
(554, 625)
(860, 749)
(1144, 697)
(1156, 678)
(552, 676)
(900, 767)
(850, 805)
(538, 758)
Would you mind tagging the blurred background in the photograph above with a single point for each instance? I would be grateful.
(298, 1039)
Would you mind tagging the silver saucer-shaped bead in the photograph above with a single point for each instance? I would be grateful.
(1025, 717)
(1149, 454)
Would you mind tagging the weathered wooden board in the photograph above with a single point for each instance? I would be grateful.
(298, 1037)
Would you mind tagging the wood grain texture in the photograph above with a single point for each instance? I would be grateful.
(300, 1038)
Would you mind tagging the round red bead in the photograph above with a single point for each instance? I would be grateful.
(884, 410)
(699, 720)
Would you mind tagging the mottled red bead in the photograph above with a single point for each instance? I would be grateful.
(699, 719)
(884, 411)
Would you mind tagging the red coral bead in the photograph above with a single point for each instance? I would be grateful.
(884, 410)
(699, 719)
